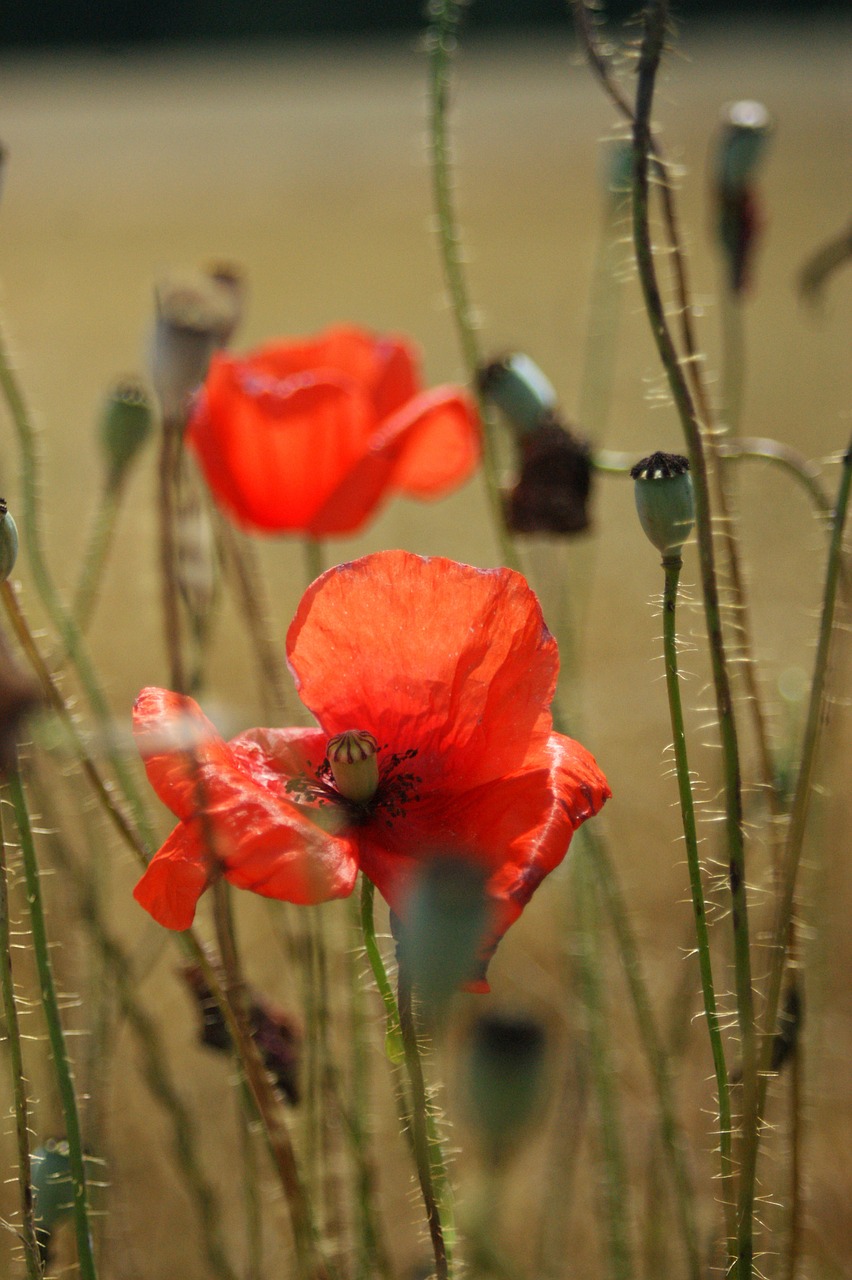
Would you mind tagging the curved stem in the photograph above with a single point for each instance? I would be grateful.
(441, 41)
(652, 44)
(19, 1082)
(795, 835)
(672, 568)
(56, 1035)
(69, 634)
(423, 1150)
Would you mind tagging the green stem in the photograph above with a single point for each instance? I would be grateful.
(615, 1182)
(56, 1035)
(69, 634)
(795, 838)
(441, 40)
(96, 553)
(424, 1154)
(672, 569)
(19, 1083)
(733, 361)
(652, 44)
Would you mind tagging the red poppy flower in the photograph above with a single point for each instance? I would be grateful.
(431, 682)
(310, 436)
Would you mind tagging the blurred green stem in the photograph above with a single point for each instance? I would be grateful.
(69, 634)
(784, 908)
(56, 1035)
(441, 39)
(19, 1080)
(615, 1182)
(672, 569)
(97, 551)
(655, 20)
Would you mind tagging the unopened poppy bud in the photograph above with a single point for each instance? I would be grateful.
(745, 133)
(504, 1081)
(53, 1189)
(519, 389)
(193, 315)
(555, 484)
(665, 501)
(352, 758)
(447, 916)
(8, 541)
(126, 423)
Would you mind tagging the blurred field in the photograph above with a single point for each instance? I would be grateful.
(308, 167)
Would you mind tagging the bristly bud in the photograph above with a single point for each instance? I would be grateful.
(744, 135)
(447, 915)
(20, 696)
(8, 541)
(519, 389)
(126, 423)
(53, 1190)
(553, 491)
(504, 1081)
(353, 760)
(194, 315)
(665, 501)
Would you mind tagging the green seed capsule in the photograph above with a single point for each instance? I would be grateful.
(519, 389)
(126, 423)
(8, 541)
(664, 501)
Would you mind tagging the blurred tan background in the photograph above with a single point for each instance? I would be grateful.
(308, 167)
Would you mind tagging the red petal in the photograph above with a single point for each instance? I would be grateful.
(174, 738)
(453, 661)
(175, 879)
(425, 450)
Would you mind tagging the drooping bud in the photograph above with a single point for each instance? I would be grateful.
(553, 490)
(8, 541)
(20, 696)
(519, 389)
(446, 918)
(353, 760)
(194, 313)
(126, 423)
(504, 1081)
(744, 135)
(664, 500)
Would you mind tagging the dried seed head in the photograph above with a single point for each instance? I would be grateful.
(664, 501)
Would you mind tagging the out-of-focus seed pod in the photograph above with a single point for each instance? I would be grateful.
(664, 501)
(194, 315)
(447, 916)
(519, 389)
(503, 1081)
(126, 424)
(8, 541)
(743, 138)
(232, 279)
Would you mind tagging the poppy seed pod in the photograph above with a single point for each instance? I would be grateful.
(8, 541)
(519, 389)
(194, 315)
(504, 1081)
(126, 423)
(664, 500)
(354, 765)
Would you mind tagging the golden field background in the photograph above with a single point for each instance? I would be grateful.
(308, 167)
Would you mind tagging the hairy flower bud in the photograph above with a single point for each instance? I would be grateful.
(519, 389)
(126, 423)
(8, 541)
(665, 501)
(354, 764)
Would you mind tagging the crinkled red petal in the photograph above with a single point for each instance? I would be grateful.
(427, 654)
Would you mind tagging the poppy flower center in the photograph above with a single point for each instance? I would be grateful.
(353, 759)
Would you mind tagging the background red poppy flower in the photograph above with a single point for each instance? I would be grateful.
(310, 436)
(451, 669)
